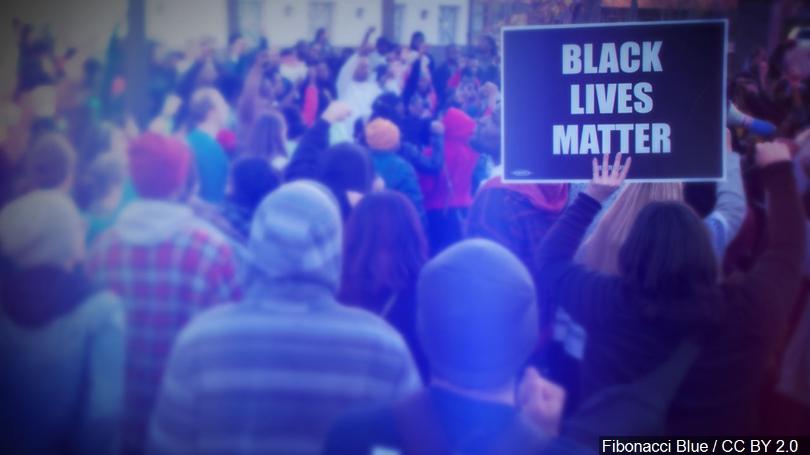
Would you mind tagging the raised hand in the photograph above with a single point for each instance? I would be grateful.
(772, 152)
(437, 128)
(541, 401)
(336, 112)
(606, 179)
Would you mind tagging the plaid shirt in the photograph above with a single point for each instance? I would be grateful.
(163, 285)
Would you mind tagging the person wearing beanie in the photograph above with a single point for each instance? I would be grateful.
(209, 115)
(518, 216)
(383, 139)
(478, 331)
(61, 338)
(166, 264)
(274, 373)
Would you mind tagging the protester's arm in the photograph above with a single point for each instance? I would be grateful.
(412, 81)
(434, 163)
(99, 419)
(410, 187)
(304, 163)
(773, 281)
(345, 75)
(346, 72)
(173, 427)
(541, 401)
(725, 221)
(571, 284)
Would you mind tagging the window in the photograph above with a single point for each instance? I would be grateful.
(249, 15)
(399, 14)
(448, 24)
(320, 16)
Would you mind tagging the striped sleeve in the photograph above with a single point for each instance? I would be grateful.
(173, 426)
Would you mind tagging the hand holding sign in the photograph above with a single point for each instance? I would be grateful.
(607, 179)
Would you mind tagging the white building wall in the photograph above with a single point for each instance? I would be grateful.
(413, 19)
(348, 29)
(177, 22)
(287, 21)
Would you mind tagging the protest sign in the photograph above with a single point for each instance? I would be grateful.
(655, 90)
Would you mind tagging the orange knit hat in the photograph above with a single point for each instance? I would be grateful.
(382, 135)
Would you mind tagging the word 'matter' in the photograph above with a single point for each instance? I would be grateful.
(611, 98)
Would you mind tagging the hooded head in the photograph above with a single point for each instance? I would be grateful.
(477, 328)
(42, 228)
(296, 236)
(458, 126)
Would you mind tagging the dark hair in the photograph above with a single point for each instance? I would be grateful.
(668, 253)
(701, 196)
(345, 167)
(252, 178)
(384, 250)
(267, 137)
(383, 45)
(416, 39)
(491, 43)
(201, 105)
(387, 106)
(295, 124)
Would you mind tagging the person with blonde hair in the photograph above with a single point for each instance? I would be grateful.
(209, 114)
(600, 251)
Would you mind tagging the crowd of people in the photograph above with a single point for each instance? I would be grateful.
(310, 250)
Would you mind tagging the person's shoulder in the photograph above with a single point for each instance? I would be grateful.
(102, 309)
(218, 321)
(203, 231)
(402, 162)
(371, 326)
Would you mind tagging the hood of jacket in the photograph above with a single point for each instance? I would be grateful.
(33, 297)
(458, 126)
(296, 238)
(149, 222)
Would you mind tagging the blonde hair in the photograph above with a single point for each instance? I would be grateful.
(600, 251)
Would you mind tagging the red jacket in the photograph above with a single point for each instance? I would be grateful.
(452, 187)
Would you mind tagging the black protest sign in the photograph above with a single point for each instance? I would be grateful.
(654, 90)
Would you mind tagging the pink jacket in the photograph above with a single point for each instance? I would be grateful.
(452, 187)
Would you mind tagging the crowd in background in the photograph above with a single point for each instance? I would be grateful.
(310, 250)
